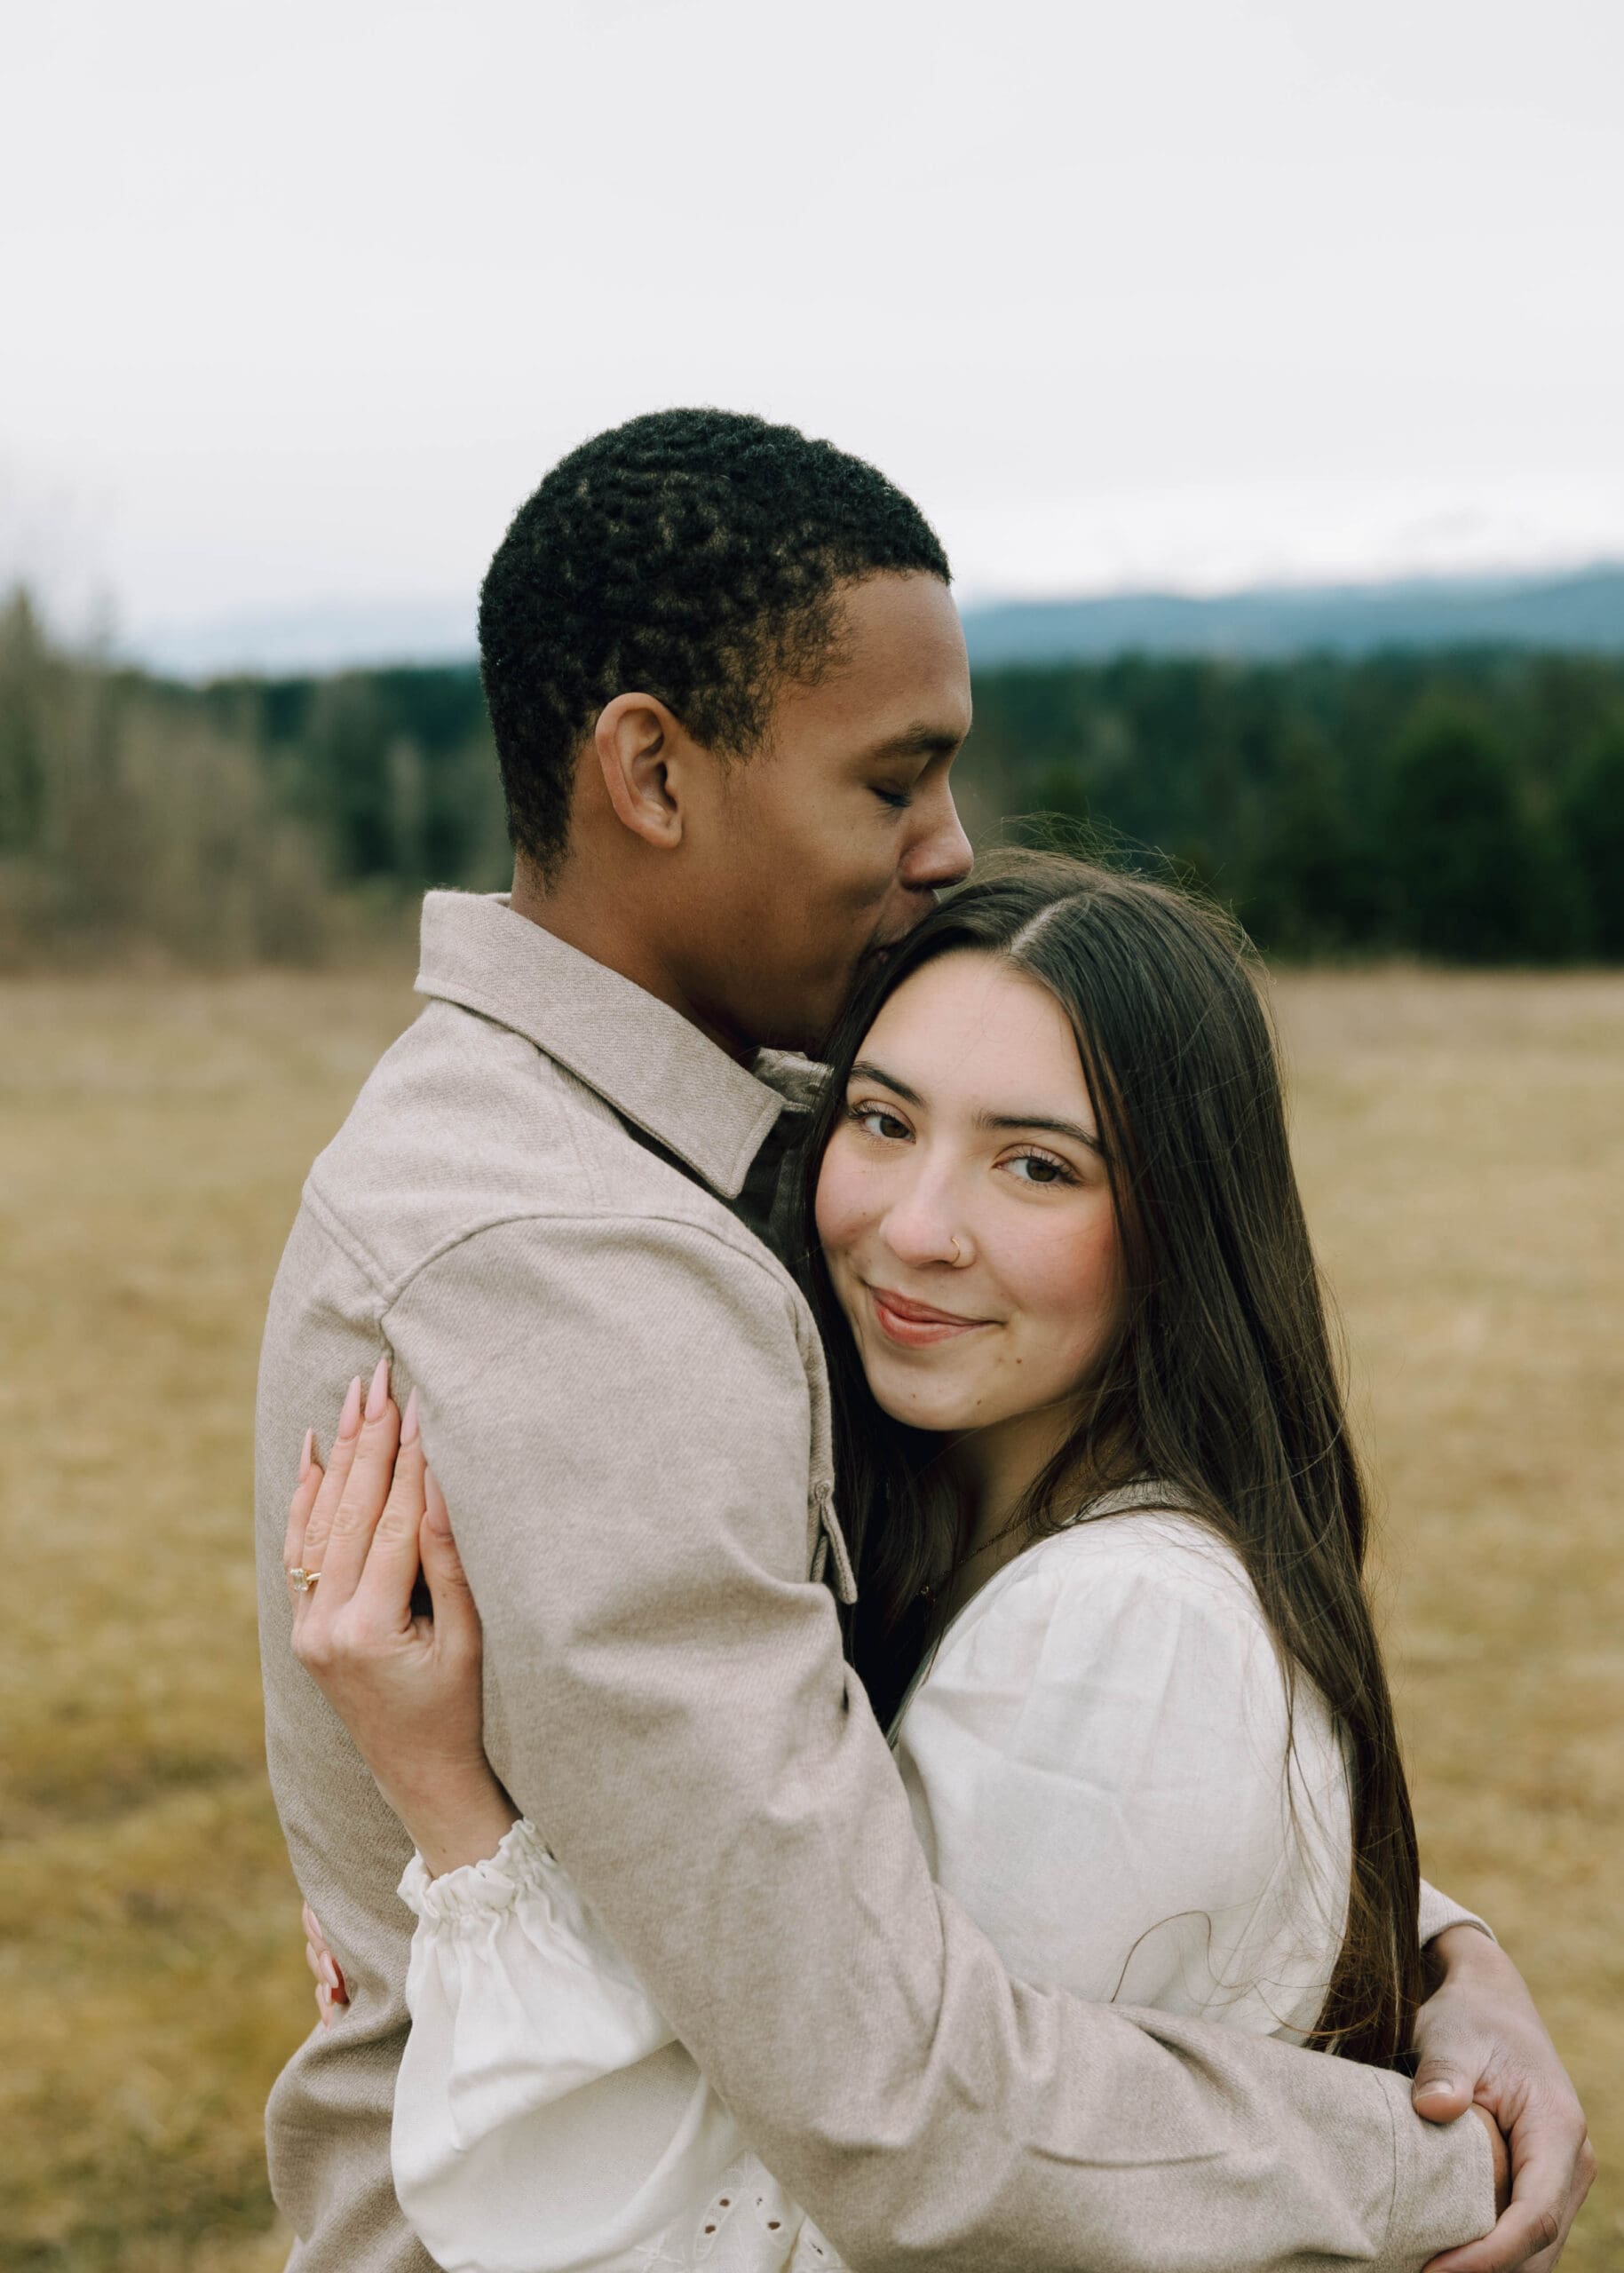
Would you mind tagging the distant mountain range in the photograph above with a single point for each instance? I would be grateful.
(1580, 610)
(1583, 610)
(310, 641)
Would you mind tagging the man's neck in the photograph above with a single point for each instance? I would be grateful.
(581, 912)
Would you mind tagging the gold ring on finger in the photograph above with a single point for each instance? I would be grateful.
(303, 1579)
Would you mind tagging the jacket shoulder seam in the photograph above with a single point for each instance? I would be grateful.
(764, 1263)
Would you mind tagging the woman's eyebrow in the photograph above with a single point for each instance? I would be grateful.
(1013, 1121)
(866, 1070)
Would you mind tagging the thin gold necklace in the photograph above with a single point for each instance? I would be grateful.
(933, 1595)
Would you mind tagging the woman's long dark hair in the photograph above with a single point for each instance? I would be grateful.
(1221, 1384)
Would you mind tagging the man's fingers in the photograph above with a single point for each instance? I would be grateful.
(1531, 2225)
(1440, 2091)
(333, 1482)
(1521, 2235)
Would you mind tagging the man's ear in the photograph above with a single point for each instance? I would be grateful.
(636, 741)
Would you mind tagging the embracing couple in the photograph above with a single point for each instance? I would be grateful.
(821, 1697)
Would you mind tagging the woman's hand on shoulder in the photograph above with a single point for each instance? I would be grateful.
(406, 1684)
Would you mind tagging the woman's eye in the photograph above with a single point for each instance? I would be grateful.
(1041, 1168)
(898, 800)
(876, 1121)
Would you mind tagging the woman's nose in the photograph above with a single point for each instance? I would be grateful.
(922, 1226)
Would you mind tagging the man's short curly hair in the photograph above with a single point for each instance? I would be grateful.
(692, 555)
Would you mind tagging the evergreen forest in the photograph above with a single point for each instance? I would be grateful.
(1459, 806)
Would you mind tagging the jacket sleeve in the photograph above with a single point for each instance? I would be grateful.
(1439, 1913)
(619, 1412)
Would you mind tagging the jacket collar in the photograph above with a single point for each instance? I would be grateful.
(640, 1055)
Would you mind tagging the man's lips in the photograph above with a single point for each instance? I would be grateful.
(883, 944)
(917, 1326)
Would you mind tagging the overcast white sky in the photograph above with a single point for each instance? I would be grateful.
(299, 300)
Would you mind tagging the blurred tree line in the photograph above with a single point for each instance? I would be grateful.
(282, 820)
(1468, 807)
(1463, 806)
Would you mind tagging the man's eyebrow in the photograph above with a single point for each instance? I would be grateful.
(1015, 1120)
(866, 1070)
(916, 742)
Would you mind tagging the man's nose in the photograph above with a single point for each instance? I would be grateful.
(940, 855)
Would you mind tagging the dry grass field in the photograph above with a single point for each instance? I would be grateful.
(1463, 1143)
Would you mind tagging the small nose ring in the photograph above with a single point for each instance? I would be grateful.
(957, 1258)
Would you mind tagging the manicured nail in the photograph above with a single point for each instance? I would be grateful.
(307, 1454)
(349, 1420)
(330, 1973)
(378, 1396)
(1433, 2091)
(409, 1421)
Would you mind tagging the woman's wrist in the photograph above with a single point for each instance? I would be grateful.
(457, 1820)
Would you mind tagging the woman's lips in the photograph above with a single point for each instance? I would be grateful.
(917, 1326)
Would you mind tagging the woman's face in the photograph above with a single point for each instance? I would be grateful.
(963, 1204)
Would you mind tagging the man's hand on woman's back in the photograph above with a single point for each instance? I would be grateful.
(1480, 2044)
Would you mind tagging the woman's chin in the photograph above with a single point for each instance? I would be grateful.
(917, 1408)
(914, 1391)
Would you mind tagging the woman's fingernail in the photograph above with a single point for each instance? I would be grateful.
(378, 1396)
(349, 1420)
(330, 1973)
(408, 1425)
(307, 1454)
(1432, 2091)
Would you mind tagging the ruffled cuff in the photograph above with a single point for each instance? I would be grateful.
(518, 1994)
(522, 1865)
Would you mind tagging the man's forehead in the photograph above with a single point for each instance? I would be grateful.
(895, 680)
(889, 621)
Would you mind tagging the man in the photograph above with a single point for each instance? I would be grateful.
(727, 683)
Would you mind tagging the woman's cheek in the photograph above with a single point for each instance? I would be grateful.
(1070, 1282)
(838, 1208)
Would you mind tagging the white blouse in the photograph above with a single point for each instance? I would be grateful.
(1097, 1756)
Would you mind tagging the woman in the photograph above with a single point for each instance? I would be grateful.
(1110, 1531)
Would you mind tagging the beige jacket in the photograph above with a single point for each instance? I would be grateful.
(624, 1397)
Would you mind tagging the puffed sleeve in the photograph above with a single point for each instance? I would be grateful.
(545, 2117)
(1098, 1765)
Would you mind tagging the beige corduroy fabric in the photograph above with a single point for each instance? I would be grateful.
(624, 1395)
